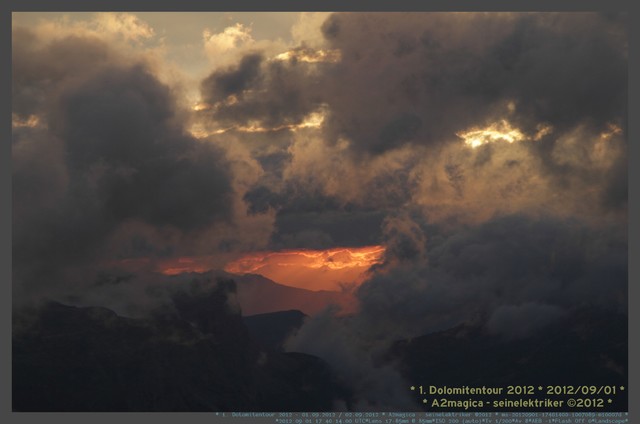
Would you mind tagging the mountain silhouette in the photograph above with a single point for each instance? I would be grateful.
(272, 329)
(588, 347)
(194, 355)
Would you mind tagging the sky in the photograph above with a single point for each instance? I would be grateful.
(485, 154)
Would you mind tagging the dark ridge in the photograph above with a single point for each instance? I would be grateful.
(195, 356)
(272, 329)
(588, 348)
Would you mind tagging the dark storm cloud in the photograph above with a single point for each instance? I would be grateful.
(401, 129)
(405, 239)
(331, 27)
(115, 151)
(121, 128)
(561, 69)
(260, 198)
(416, 80)
(110, 155)
(41, 69)
(315, 221)
(419, 79)
(514, 276)
(565, 71)
(274, 163)
(273, 93)
(508, 261)
(316, 230)
(307, 215)
(234, 81)
(308, 218)
(422, 77)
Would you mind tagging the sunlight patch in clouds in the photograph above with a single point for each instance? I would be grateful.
(497, 131)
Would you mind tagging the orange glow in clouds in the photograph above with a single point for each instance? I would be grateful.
(329, 269)
(311, 269)
(182, 265)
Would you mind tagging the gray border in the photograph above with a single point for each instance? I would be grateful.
(633, 227)
(281, 5)
(321, 5)
(5, 212)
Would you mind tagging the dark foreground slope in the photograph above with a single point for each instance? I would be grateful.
(586, 348)
(196, 355)
(272, 329)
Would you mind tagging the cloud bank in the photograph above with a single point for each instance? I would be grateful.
(486, 151)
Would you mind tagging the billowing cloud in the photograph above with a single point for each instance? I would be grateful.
(113, 149)
(432, 68)
(226, 47)
(126, 25)
(233, 82)
(353, 357)
(435, 77)
(420, 111)
(487, 152)
(259, 92)
(230, 39)
(511, 276)
(507, 261)
(307, 29)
